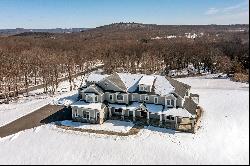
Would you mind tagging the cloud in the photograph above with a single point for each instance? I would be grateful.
(211, 11)
(238, 13)
(240, 6)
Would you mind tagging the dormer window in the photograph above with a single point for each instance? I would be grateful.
(170, 103)
(143, 88)
(91, 98)
(120, 97)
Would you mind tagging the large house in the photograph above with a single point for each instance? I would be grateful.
(135, 97)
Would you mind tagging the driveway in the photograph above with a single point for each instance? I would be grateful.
(44, 115)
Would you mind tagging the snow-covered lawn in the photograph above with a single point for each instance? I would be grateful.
(222, 139)
(36, 100)
(109, 125)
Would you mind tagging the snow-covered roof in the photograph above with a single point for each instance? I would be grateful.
(134, 106)
(82, 104)
(154, 108)
(130, 80)
(118, 106)
(147, 80)
(66, 101)
(93, 77)
(163, 86)
(97, 89)
(177, 112)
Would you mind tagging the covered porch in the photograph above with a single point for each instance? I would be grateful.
(139, 112)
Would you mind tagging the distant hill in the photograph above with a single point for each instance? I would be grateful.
(56, 30)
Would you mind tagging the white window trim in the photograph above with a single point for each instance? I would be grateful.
(169, 102)
(141, 88)
(89, 115)
(122, 97)
(112, 97)
(146, 97)
(96, 98)
(133, 97)
(76, 113)
(157, 100)
(93, 96)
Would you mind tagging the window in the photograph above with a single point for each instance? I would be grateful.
(86, 115)
(172, 118)
(168, 117)
(172, 102)
(111, 97)
(91, 98)
(75, 113)
(143, 88)
(168, 102)
(156, 100)
(146, 98)
(132, 97)
(120, 97)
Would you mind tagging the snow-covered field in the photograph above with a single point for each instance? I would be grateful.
(36, 100)
(222, 139)
(109, 125)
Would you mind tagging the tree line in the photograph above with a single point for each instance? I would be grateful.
(42, 59)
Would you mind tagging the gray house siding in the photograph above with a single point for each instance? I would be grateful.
(114, 98)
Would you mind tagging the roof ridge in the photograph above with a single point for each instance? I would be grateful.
(122, 80)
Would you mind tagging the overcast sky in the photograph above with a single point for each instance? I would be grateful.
(93, 13)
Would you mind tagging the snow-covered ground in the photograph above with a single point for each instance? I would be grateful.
(222, 139)
(109, 125)
(36, 100)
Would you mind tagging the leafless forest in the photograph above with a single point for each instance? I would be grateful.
(30, 59)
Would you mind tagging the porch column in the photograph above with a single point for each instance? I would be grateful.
(110, 112)
(160, 119)
(176, 124)
(122, 114)
(134, 115)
